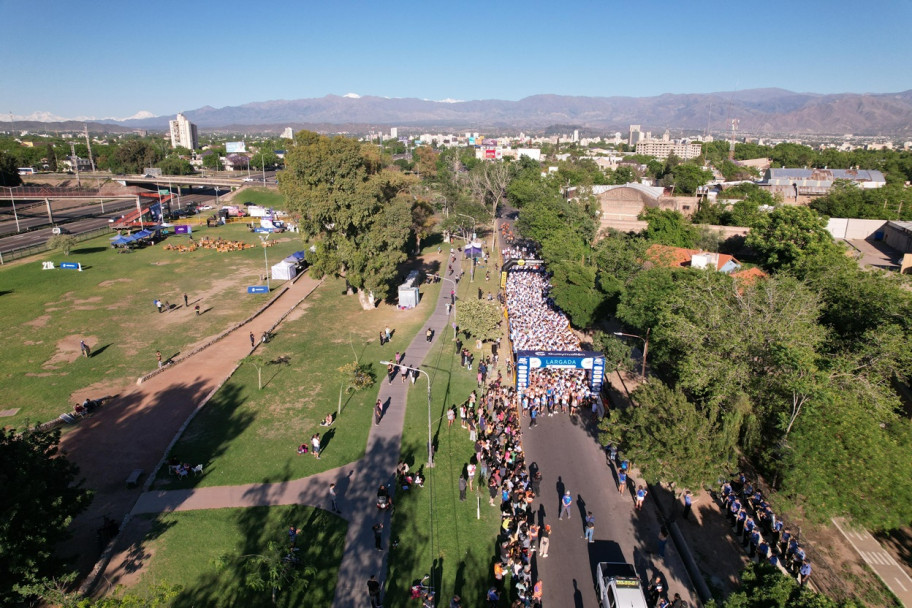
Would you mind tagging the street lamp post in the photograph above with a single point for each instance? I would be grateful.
(264, 239)
(15, 215)
(472, 273)
(645, 347)
(445, 279)
(430, 443)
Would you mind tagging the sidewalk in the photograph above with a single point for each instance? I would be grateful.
(134, 430)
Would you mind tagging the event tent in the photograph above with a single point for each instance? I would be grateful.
(284, 271)
(473, 250)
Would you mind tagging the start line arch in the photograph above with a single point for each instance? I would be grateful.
(528, 360)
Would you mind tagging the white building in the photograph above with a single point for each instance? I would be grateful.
(183, 133)
(394, 133)
(288, 133)
(660, 148)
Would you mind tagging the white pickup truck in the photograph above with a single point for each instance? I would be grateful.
(619, 586)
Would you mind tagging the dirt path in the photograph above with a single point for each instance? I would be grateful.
(134, 431)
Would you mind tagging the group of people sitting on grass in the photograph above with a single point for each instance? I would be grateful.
(762, 534)
(535, 322)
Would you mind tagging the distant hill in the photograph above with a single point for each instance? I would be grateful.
(771, 111)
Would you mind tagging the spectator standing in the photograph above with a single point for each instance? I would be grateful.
(378, 535)
(590, 527)
(252, 340)
(158, 356)
(332, 499)
(663, 540)
(186, 302)
(462, 487)
(640, 497)
(688, 504)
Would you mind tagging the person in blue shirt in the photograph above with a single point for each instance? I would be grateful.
(622, 481)
(804, 572)
(566, 502)
(688, 504)
(590, 527)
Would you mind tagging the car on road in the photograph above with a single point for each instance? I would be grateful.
(249, 179)
(59, 230)
(619, 586)
(204, 207)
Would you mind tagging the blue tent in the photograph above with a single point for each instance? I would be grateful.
(121, 241)
(297, 255)
(143, 234)
(472, 251)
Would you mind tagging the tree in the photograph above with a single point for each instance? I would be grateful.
(212, 159)
(271, 570)
(615, 350)
(422, 222)
(134, 156)
(689, 177)
(789, 234)
(489, 183)
(765, 586)
(173, 165)
(575, 291)
(9, 171)
(264, 159)
(355, 377)
(624, 175)
(41, 496)
(668, 227)
(426, 161)
(479, 318)
(360, 214)
(63, 242)
(670, 438)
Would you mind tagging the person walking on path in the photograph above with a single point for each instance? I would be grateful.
(252, 340)
(186, 303)
(332, 499)
(566, 503)
(378, 411)
(533, 417)
(640, 497)
(378, 535)
(590, 527)
(373, 591)
(688, 504)
(158, 355)
(158, 305)
(197, 309)
(622, 481)
(544, 542)
(804, 573)
(462, 487)
(429, 334)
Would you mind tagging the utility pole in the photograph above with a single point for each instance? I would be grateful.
(75, 160)
(731, 145)
(89, 146)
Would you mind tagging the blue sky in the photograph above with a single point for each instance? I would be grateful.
(113, 59)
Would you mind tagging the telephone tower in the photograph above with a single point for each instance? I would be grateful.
(731, 143)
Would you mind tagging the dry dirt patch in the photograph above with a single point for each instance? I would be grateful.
(39, 321)
(69, 349)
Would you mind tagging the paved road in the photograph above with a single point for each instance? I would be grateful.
(881, 562)
(569, 458)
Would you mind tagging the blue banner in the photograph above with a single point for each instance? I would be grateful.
(257, 289)
(70, 266)
(528, 360)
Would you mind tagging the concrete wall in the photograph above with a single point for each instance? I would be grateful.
(844, 228)
(898, 238)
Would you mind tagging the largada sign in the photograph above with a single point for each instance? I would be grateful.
(592, 362)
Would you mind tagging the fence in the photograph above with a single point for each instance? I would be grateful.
(24, 252)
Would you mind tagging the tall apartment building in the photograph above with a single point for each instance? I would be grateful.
(663, 149)
(183, 133)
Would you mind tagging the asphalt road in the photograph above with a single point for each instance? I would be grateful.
(569, 458)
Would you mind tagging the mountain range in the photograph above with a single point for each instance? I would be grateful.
(758, 111)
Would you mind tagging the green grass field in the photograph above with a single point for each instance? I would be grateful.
(185, 547)
(262, 197)
(109, 304)
(246, 435)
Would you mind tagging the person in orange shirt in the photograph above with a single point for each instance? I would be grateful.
(537, 591)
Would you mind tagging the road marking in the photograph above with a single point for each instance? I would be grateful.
(899, 582)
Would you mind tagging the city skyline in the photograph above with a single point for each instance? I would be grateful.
(110, 60)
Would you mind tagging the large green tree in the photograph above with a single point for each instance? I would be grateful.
(359, 214)
(789, 234)
(479, 318)
(39, 495)
(670, 438)
(9, 171)
(668, 227)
